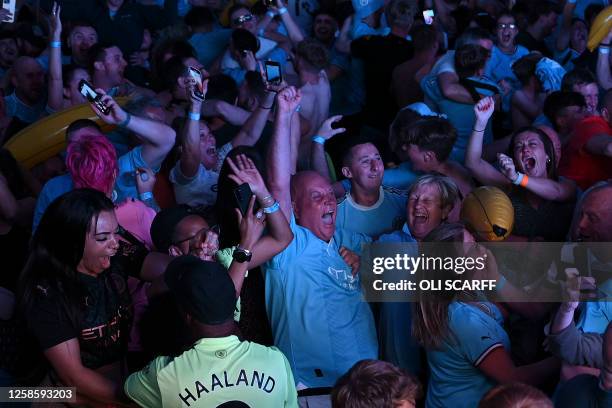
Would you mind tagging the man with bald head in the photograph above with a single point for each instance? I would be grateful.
(585, 344)
(313, 296)
(27, 103)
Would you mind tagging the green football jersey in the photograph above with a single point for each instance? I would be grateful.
(213, 372)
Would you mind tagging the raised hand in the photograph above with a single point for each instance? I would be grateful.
(288, 99)
(55, 22)
(326, 131)
(506, 166)
(244, 171)
(116, 114)
(484, 110)
(251, 225)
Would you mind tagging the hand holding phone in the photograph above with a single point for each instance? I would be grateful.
(242, 195)
(273, 73)
(88, 91)
(197, 91)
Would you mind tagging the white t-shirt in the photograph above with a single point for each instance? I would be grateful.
(202, 188)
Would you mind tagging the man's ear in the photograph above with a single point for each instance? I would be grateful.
(428, 156)
(346, 172)
(174, 251)
(66, 93)
(605, 113)
(296, 212)
(99, 66)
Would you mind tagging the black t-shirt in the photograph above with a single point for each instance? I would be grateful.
(380, 55)
(106, 311)
(14, 253)
(526, 40)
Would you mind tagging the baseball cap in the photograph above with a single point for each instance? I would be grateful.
(364, 8)
(164, 223)
(203, 289)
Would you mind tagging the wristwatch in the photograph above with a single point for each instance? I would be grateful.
(242, 255)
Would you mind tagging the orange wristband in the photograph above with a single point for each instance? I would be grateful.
(525, 180)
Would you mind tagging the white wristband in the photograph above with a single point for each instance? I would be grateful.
(604, 50)
(282, 11)
(519, 178)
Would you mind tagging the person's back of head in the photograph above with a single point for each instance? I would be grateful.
(313, 55)
(204, 291)
(515, 395)
(74, 128)
(222, 87)
(172, 70)
(474, 35)
(432, 134)
(199, 17)
(374, 383)
(400, 13)
(470, 60)
(525, 67)
(560, 106)
(425, 38)
(92, 163)
(244, 40)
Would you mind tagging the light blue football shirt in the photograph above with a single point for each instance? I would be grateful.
(386, 215)
(456, 381)
(319, 319)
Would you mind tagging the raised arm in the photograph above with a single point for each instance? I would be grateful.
(230, 113)
(255, 124)
(157, 137)
(280, 235)
(56, 84)
(548, 189)
(294, 31)
(603, 63)
(482, 170)
(191, 155)
(325, 132)
(563, 36)
(280, 169)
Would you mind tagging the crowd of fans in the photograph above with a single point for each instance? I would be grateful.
(134, 270)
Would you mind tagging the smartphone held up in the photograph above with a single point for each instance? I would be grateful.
(88, 91)
(198, 89)
(273, 72)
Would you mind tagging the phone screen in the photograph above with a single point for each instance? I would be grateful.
(199, 88)
(273, 72)
(428, 16)
(87, 91)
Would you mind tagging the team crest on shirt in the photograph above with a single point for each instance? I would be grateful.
(344, 278)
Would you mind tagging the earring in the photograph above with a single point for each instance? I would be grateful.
(548, 160)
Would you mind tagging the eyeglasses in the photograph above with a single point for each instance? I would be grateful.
(242, 19)
(503, 26)
(199, 236)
